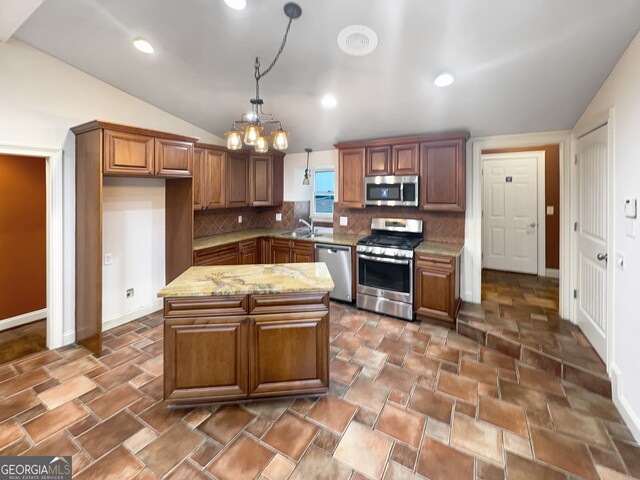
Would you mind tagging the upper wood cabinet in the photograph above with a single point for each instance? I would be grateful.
(209, 181)
(378, 161)
(405, 159)
(237, 180)
(438, 158)
(128, 154)
(401, 159)
(442, 168)
(351, 177)
(173, 158)
(261, 180)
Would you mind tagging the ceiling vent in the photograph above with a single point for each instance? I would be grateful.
(357, 40)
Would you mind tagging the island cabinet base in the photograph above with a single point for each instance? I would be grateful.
(243, 348)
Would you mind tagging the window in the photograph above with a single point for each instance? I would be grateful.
(323, 193)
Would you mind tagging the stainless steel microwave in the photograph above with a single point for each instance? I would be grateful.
(392, 191)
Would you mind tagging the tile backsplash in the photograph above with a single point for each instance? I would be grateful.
(214, 222)
(438, 226)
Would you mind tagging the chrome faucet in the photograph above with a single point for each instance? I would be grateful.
(308, 225)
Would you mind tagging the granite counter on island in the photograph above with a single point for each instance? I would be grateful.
(240, 333)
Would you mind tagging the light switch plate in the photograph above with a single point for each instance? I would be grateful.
(278, 217)
(631, 208)
(620, 260)
(344, 221)
(550, 209)
(108, 258)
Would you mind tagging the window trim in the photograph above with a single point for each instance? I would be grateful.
(322, 217)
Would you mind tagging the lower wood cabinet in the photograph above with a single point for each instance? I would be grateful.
(208, 358)
(302, 252)
(288, 353)
(264, 250)
(223, 255)
(248, 252)
(214, 354)
(291, 251)
(280, 251)
(437, 287)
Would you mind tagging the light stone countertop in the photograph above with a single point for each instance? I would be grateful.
(233, 237)
(250, 280)
(440, 248)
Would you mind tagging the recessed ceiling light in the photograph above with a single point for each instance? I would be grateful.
(236, 4)
(357, 40)
(444, 80)
(142, 45)
(329, 101)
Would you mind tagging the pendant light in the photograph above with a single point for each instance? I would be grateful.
(306, 181)
(250, 128)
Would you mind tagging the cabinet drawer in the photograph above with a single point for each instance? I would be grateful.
(280, 243)
(259, 304)
(188, 307)
(436, 261)
(225, 255)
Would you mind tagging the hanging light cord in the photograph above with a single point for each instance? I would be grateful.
(258, 75)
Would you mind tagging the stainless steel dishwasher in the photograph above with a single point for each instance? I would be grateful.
(338, 260)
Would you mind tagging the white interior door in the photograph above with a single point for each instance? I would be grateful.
(510, 212)
(592, 242)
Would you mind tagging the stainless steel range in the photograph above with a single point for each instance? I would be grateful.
(385, 266)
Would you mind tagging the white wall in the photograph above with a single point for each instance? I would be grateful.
(294, 166)
(621, 92)
(133, 233)
(40, 99)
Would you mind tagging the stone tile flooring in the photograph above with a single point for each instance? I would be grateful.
(20, 341)
(408, 400)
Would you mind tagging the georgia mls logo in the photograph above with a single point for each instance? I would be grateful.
(35, 468)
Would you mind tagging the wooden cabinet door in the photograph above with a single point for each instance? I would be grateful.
(442, 168)
(288, 353)
(249, 252)
(435, 288)
(199, 180)
(302, 252)
(128, 154)
(237, 180)
(206, 359)
(405, 159)
(215, 168)
(224, 255)
(264, 250)
(280, 251)
(351, 177)
(173, 158)
(378, 161)
(261, 180)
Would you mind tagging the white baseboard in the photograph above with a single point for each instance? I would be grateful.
(552, 272)
(117, 320)
(630, 417)
(23, 319)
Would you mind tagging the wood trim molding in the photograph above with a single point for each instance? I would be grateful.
(98, 124)
(400, 140)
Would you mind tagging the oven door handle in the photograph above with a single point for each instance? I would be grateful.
(384, 260)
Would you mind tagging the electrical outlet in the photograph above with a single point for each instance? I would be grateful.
(108, 258)
(239, 218)
(130, 292)
(344, 221)
(278, 217)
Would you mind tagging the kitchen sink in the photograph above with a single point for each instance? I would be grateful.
(306, 235)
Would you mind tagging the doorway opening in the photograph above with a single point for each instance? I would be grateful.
(23, 255)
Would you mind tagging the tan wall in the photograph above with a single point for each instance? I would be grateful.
(552, 197)
(23, 235)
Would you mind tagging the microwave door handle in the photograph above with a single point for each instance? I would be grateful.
(384, 260)
(401, 192)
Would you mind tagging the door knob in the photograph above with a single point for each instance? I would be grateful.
(603, 256)
(533, 225)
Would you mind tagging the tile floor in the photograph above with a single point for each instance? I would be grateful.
(20, 341)
(408, 401)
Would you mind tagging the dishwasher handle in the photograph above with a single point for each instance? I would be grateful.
(332, 249)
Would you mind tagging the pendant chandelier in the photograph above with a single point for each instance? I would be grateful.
(305, 180)
(250, 129)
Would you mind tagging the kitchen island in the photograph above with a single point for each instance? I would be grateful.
(246, 332)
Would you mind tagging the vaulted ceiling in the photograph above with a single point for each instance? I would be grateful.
(519, 66)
